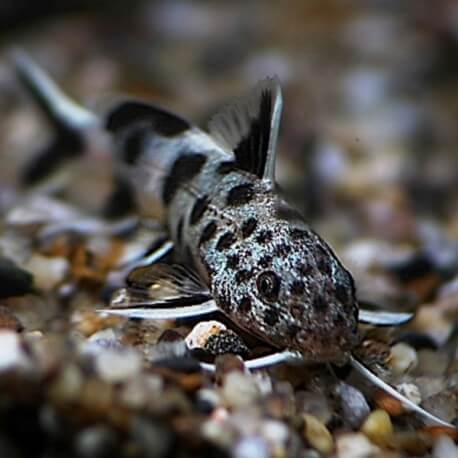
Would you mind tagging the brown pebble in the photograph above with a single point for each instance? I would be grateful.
(386, 402)
(227, 363)
(411, 442)
(317, 435)
(9, 321)
(436, 431)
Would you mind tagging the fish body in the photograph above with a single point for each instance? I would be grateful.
(265, 268)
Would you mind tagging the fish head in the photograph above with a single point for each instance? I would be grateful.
(295, 294)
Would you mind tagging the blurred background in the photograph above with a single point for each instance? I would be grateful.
(369, 138)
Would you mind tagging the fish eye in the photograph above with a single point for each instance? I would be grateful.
(268, 285)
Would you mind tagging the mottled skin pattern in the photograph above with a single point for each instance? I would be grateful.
(238, 232)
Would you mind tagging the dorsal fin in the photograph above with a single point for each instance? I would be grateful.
(249, 128)
(129, 113)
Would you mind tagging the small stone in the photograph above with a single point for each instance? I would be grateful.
(444, 447)
(411, 392)
(316, 404)
(353, 404)
(9, 321)
(403, 358)
(219, 433)
(386, 402)
(114, 366)
(378, 427)
(276, 434)
(154, 439)
(239, 390)
(68, 384)
(47, 272)
(226, 341)
(317, 435)
(251, 447)
(12, 354)
(201, 332)
(433, 363)
(96, 442)
(355, 445)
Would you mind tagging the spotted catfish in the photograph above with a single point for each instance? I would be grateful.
(243, 250)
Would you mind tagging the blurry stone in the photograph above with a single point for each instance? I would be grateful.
(154, 438)
(432, 321)
(432, 363)
(378, 427)
(355, 445)
(14, 281)
(276, 434)
(47, 272)
(403, 358)
(219, 433)
(418, 341)
(410, 391)
(9, 321)
(444, 447)
(239, 390)
(208, 399)
(443, 405)
(68, 384)
(226, 364)
(317, 435)
(136, 391)
(114, 366)
(96, 442)
(429, 386)
(280, 405)
(251, 447)
(316, 404)
(412, 443)
(12, 353)
(353, 404)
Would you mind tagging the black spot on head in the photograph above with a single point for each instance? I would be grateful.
(226, 167)
(319, 304)
(323, 261)
(208, 232)
(179, 233)
(297, 287)
(265, 261)
(225, 241)
(282, 249)
(134, 140)
(304, 269)
(232, 261)
(298, 234)
(341, 293)
(271, 316)
(248, 227)
(338, 319)
(184, 169)
(264, 236)
(297, 310)
(240, 194)
(242, 275)
(198, 209)
(245, 305)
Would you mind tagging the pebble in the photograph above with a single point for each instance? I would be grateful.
(317, 435)
(251, 447)
(218, 432)
(68, 384)
(355, 445)
(12, 354)
(47, 272)
(226, 341)
(276, 434)
(403, 358)
(444, 447)
(114, 366)
(239, 390)
(353, 404)
(316, 404)
(201, 332)
(411, 392)
(96, 442)
(154, 439)
(378, 427)
(9, 321)
(433, 363)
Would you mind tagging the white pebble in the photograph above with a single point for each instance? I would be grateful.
(411, 392)
(403, 358)
(12, 355)
(239, 389)
(47, 272)
(251, 447)
(355, 445)
(444, 447)
(115, 366)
